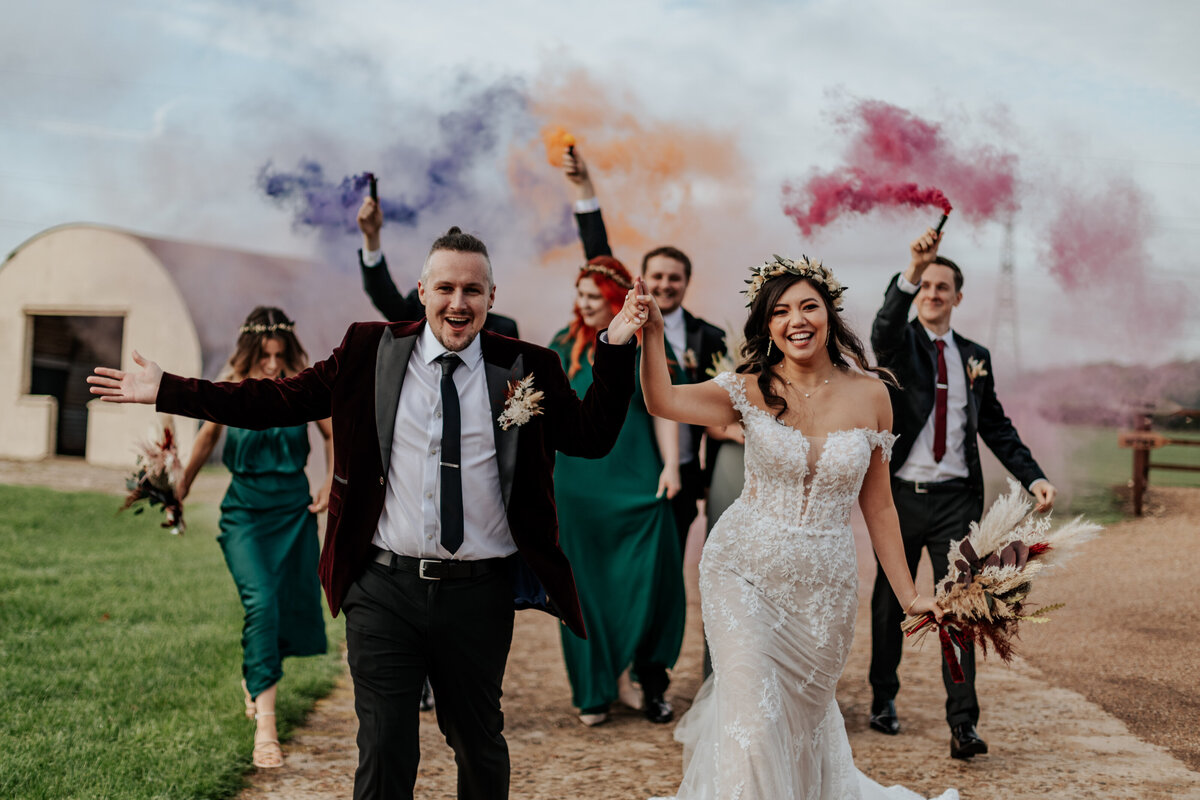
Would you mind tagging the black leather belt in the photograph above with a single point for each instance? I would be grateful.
(933, 487)
(438, 569)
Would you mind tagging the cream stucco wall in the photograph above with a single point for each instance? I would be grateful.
(91, 271)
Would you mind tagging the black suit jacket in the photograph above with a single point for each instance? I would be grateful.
(395, 307)
(359, 386)
(905, 348)
(705, 341)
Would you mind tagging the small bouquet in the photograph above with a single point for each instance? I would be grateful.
(991, 575)
(154, 477)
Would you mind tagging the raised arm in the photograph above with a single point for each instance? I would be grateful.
(592, 233)
(377, 280)
(694, 403)
(888, 329)
(883, 525)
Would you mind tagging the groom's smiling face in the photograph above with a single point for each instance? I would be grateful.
(457, 292)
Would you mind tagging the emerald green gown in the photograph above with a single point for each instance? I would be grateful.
(269, 538)
(624, 552)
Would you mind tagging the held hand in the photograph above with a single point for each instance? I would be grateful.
(321, 501)
(669, 482)
(926, 605)
(1044, 492)
(654, 319)
(630, 318)
(370, 221)
(182, 488)
(922, 252)
(118, 386)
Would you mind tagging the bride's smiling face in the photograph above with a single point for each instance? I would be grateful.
(799, 322)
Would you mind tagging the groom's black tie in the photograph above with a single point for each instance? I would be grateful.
(451, 470)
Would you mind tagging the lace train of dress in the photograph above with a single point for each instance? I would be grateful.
(779, 596)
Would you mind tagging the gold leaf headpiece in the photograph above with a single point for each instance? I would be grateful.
(814, 271)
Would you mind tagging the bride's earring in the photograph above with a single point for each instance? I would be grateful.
(769, 343)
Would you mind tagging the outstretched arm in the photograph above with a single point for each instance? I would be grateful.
(883, 525)
(119, 386)
(694, 403)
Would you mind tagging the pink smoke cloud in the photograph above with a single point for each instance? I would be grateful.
(893, 159)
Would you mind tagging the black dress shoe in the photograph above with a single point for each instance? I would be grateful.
(884, 719)
(965, 742)
(658, 709)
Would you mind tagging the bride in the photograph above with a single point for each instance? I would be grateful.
(778, 580)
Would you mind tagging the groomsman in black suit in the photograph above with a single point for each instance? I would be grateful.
(946, 403)
(379, 286)
(693, 342)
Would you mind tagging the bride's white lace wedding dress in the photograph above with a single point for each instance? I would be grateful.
(779, 593)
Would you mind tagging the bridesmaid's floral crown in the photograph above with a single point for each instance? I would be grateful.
(814, 271)
(608, 272)
(259, 327)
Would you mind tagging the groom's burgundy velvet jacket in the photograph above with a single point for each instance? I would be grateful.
(359, 387)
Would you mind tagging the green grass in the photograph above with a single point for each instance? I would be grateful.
(120, 654)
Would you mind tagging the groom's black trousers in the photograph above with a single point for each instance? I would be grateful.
(931, 520)
(400, 628)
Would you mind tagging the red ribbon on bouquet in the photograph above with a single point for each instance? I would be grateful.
(952, 642)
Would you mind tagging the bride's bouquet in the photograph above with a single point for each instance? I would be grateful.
(991, 575)
(154, 477)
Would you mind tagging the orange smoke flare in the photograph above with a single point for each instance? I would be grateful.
(557, 140)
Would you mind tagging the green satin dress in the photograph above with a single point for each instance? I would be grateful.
(624, 552)
(269, 538)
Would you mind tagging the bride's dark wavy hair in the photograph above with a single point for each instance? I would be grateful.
(845, 349)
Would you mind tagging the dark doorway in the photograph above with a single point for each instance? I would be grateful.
(65, 351)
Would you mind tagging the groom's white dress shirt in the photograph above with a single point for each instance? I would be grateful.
(410, 523)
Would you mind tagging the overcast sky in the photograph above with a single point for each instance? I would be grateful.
(158, 117)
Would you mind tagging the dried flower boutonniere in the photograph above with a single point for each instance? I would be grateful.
(522, 403)
(975, 369)
(690, 362)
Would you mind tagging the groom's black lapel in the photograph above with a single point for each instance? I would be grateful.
(391, 364)
(498, 376)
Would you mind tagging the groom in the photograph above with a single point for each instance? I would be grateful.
(442, 516)
(946, 404)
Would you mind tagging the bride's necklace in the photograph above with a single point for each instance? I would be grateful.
(810, 392)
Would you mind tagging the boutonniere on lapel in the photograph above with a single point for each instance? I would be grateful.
(690, 362)
(521, 403)
(975, 369)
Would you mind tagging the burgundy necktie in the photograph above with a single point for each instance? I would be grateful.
(939, 408)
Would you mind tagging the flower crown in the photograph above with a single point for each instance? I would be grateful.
(812, 270)
(608, 272)
(258, 327)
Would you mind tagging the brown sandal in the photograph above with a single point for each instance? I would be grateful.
(267, 753)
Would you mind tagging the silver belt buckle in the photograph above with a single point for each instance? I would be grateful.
(424, 562)
(919, 487)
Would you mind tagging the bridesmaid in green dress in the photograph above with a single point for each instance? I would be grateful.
(269, 526)
(617, 529)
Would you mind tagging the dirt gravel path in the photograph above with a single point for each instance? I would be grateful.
(1100, 706)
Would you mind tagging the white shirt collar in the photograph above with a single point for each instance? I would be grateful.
(674, 319)
(431, 348)
(947, 337)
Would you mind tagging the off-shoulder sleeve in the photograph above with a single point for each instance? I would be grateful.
(884, 441)
(733, 383)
